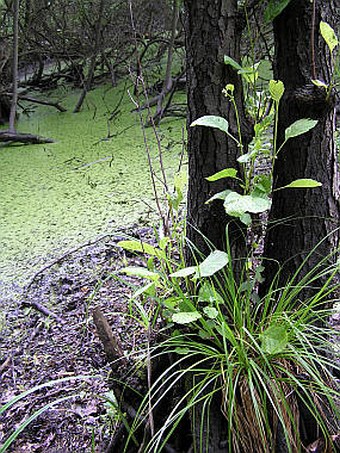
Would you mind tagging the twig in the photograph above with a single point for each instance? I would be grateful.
(45, 311)
(312, 42)
(62, 257)
(104, 159)
(5, 364)
(146, 144)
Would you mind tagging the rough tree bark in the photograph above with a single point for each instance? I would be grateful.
(301, 218)
(213, 30)
(12, 115)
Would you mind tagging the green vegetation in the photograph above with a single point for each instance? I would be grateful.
(257, 189)
(59, 195)
(231, 302)
(262, 360)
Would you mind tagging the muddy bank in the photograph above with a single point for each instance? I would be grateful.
(36, 349)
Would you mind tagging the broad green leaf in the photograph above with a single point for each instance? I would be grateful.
(219, 196)
(276, 89)
(180, 180)
(245, 157)
(320, 83)
(142, 272)
(204, 334)
(185, 272)
(207, 293)
(274, 339)
(249, 73)
(148, 289)
(185, 304)
(212, 121)
(226, 173)
(262, 185)
(139, 246)
(229, 61)
(258, 273)
(273, 9)
(212, 264)
(246, 218)
(299, 127)
(236, 205)
(328, 35)
(265, 70)
(186, 317)
(171, 302)
(304, 183)
(211, 312)
(247, 286)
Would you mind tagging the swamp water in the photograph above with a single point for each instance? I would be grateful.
(57, 196)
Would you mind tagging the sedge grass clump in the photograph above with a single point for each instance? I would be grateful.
(266, 363)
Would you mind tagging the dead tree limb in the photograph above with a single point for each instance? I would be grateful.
(18, 137)
(97, 43)
(168, 82)
(40, 101)
(111, 343)
(63, 256)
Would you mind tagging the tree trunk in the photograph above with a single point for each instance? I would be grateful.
(14, 103)
(5, 108)
(97, 42)
(168, 82)
(213, 30)
(301, 218)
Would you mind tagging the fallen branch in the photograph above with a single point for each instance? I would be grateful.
(42, 102)
(63, 256)
(18, 137)
(153, 101)
(45, 311)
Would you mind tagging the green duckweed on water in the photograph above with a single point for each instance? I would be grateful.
(57, 196)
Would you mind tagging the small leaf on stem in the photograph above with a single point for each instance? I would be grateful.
(328, 35)
(303, 183)
(212, 121)
(226, 173)
(299, 127)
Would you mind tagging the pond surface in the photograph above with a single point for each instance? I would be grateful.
(57, 196)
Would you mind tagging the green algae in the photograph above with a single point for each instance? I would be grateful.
(57, 196)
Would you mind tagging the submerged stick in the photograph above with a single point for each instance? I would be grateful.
(18, 137)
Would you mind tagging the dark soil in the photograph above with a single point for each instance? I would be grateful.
(37, 348)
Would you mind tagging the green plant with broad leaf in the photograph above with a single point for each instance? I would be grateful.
(255, 190)
(260, 360)
(332, 42)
